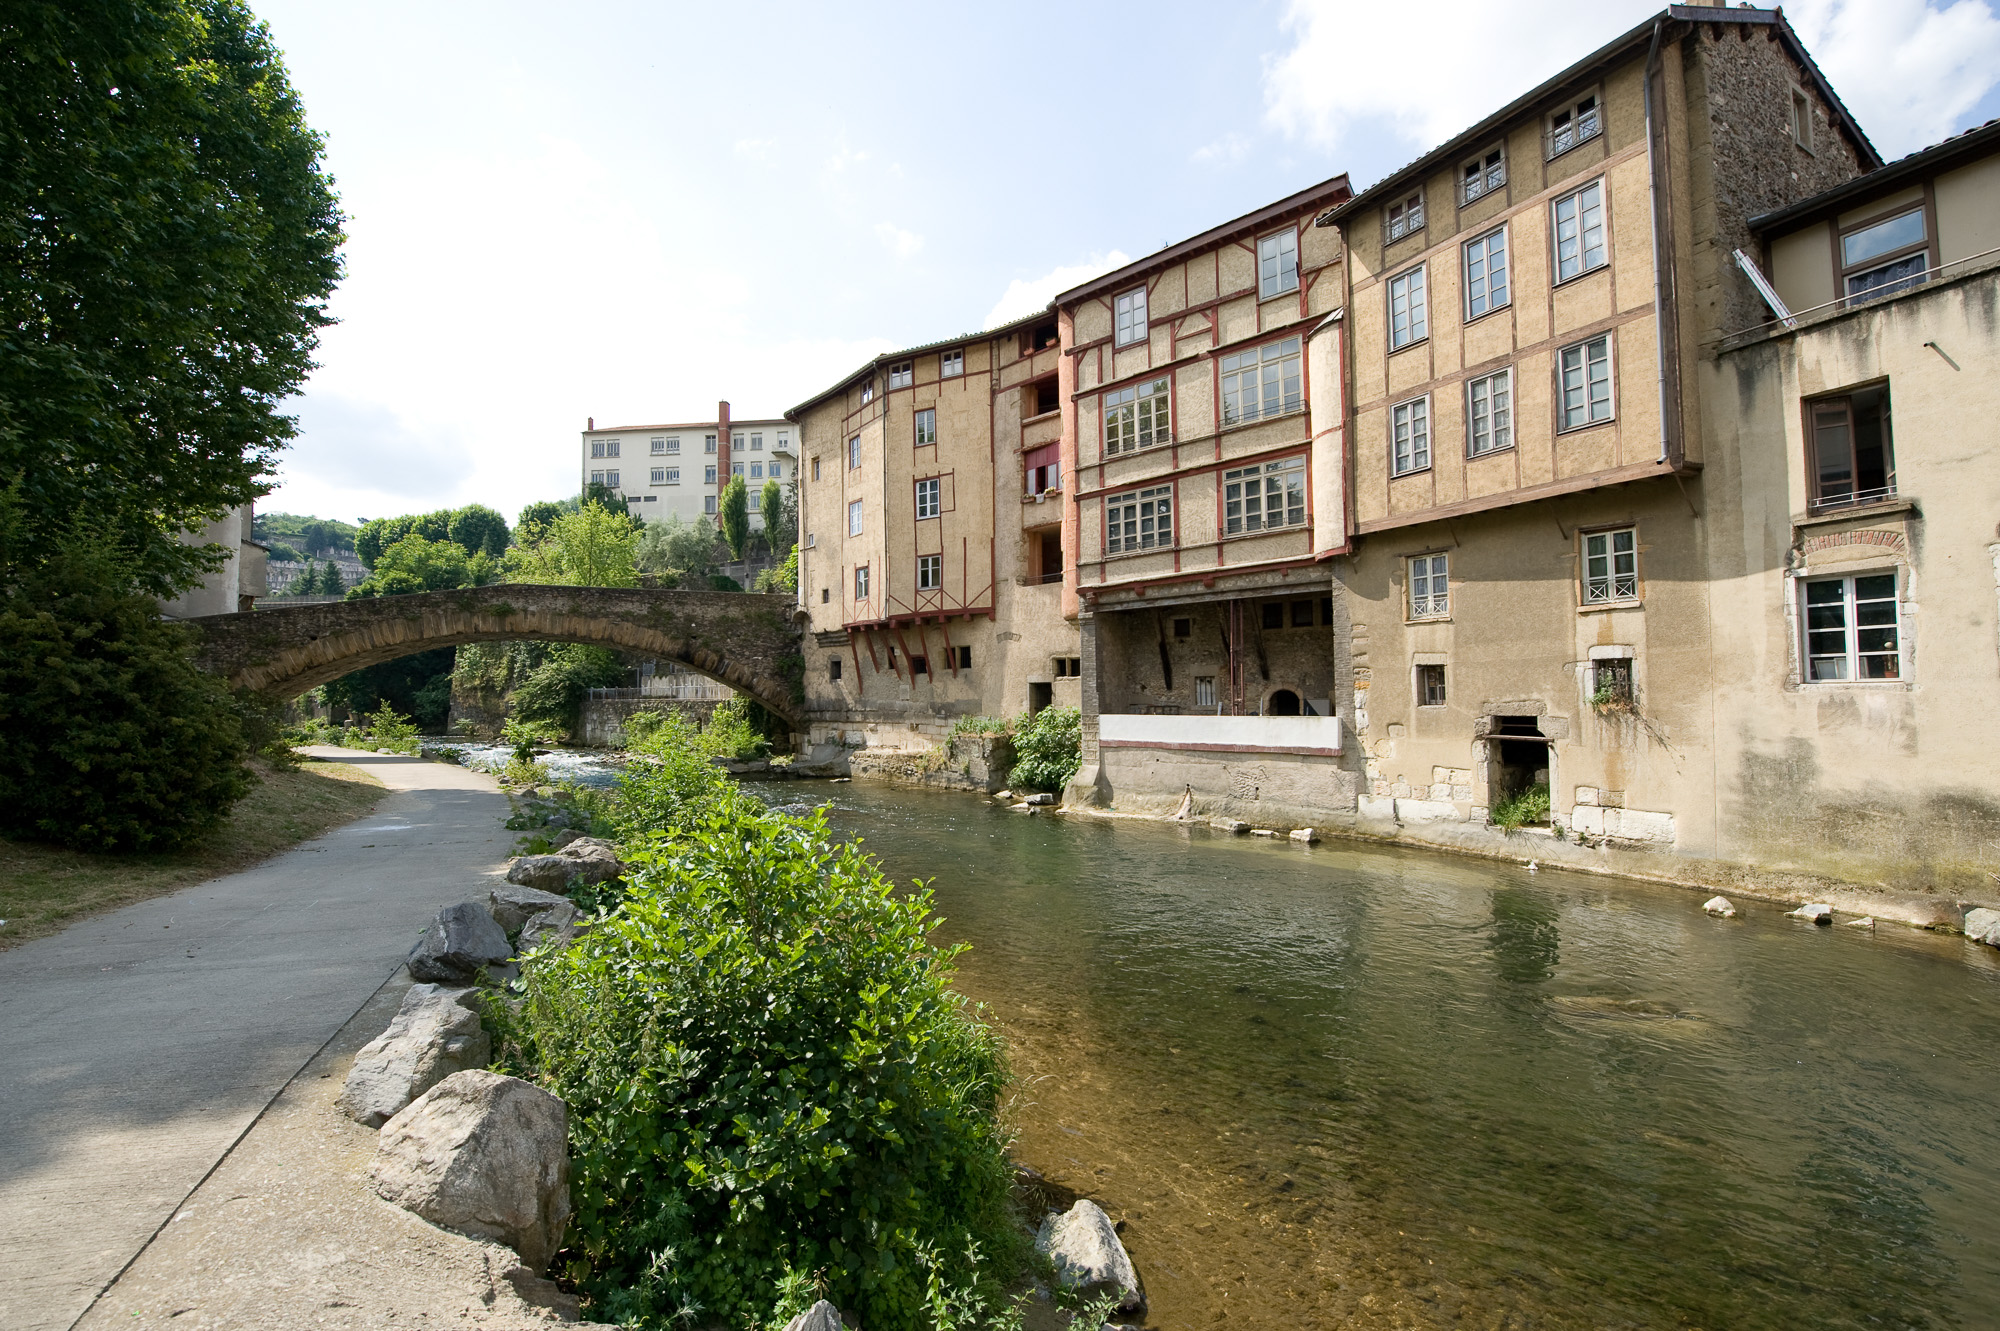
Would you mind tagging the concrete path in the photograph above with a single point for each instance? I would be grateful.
(136, 1047)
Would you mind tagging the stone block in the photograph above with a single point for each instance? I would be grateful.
(1586, 794)
(434, 1034)
(1983, 926)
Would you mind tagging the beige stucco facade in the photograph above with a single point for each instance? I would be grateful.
(242, 578)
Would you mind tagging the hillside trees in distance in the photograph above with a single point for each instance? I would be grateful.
(476, 529)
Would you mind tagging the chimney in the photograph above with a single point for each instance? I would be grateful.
(590, 422)
(721, 446)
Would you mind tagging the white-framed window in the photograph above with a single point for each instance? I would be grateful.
(755, 500)
(1489, 413)
(854, 518)
(1410, 436)
(1482, 175)
(611, 447)
(708, 443)
(777, 471)
(736, 442)
(861, 583)
(867, 392)
(708, 505)
(1404, 217)
(1278, 264)
(1802, 119)
(1586, 382)
(659, 445)
(672, 477)
(784, 444)
(673, 449)
(1430, 587)
(854, 452)
(1430, 685)
(756, 471)
(1486, 286)
(708, 476)
(1136, 417)
(611, 479)
(1129, 312)
(1409, 320)
(951, 364)
(736, 469)
(756, 443)
(1264, 498)
(1139, 520)
(1851, 628)
(659, 476)
(927, 498)
(597, 478)
(1611, 566)
(926, 426)
(1262, 382)
(900, 376)
(1579, 122)
(930, 572)
(597, 448)
(1579, 221)
(1204, 690)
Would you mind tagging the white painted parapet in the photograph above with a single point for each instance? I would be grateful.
(1317, 736)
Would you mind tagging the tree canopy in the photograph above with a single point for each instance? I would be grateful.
(735, 516)
(170, 240)
(679, 548)
(475, 529)
(592, 547)
(418, 564)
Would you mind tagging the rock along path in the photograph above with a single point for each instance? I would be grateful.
(136, 1047)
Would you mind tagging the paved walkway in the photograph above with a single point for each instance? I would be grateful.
(136, 1047)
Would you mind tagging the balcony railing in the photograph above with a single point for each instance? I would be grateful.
(1564, 137)
(1854, 499)
(1474, 187)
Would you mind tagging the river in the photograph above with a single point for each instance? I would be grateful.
(1357, 1086)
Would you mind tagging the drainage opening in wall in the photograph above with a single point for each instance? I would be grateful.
(1518, 761)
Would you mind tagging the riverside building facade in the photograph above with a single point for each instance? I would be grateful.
(680, 468)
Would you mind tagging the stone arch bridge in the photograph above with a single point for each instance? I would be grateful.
(745, 640)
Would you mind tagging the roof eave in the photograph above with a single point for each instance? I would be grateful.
(846, 381)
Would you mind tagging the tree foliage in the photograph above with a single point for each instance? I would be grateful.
(552, 693)
(592, 547)
(535, 521)
(416, 563)
(418, 685)
(475, 529)
(169, 241)
(312, 536)
(677, 547)
(734, 516)
(1048, 749)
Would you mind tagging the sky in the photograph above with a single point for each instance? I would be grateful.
(627, 211)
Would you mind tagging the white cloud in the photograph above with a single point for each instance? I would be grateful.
(844, 157)
(903, 244)
(1908, 70)
(755, 150)
(1025, 296)
(1228, 148)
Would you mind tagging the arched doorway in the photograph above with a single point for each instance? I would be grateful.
(1283, 703)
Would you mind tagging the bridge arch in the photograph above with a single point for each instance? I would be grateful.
(745, 640)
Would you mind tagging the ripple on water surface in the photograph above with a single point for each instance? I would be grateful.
(1356, 1086)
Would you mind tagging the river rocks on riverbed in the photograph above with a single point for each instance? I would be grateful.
(1813, 912)
(822, 1316)
(1084, 1248)
(1041, 801)
(485, 1155)
(461, 940)
(514, 905)
(583, 861)
(1983, 926)
(1720, 906)
(435, 1034)
(556, 927)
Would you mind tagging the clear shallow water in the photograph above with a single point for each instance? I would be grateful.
(1346, 1086)
(586, 767)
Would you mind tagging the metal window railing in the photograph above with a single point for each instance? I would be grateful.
(1564, 137)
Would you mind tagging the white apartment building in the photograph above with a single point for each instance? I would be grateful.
(681, 468)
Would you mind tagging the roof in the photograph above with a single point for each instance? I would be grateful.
(734, 422)
(1979, 141)
(1309, 197)
(1618, 49)
(887, 357)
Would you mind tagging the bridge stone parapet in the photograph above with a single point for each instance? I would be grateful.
(744, 639)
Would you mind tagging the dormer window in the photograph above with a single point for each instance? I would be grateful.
(1576, 123)
(1482, 175)
(1406, 217)
(951, 364)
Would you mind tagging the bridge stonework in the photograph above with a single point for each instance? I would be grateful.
(744, 639)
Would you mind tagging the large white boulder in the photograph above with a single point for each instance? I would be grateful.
(435, 1034)
(1083, 1245)
(1813, 912)
(1719, 906)
(1983, 926)
(485, 1155)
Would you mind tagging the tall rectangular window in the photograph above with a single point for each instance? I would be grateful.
(927, 498)
(1130, 312)
(1430, 588)
(1204, 690)
(1278, 264)
(1611, 566)
(930, 572)
(755, 500)
(867, 392)
(951, 364)
(901, 375)
(854, 452)
(1579, 218)
(708, 476)
(708, 443)
(1430, 686)
(1486, 273)
(736, 469)
(1802, 120)
(756, 471)
(1264, 498)
(736, 442)
(815, 472)
(1262, 382)
(1404, 217)
(861, 583)
(1408, 320)
(1410, 436)
(1853, 460)
(1489, 413)
(854, 518)
(756, 443)
(1851, 629)
(926, 426)
(708, 505)
(1586, 382)
(1140, 520)
(1136, 417)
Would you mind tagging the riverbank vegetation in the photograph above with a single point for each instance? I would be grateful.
(1048, 749)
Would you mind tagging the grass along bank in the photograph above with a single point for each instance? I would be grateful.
(44, 889)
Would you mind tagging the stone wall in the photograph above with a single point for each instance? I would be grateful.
(604, 718)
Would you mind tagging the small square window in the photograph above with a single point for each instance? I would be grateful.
(673, 476)
(1611, 682)
(930, 572)
(597, 448)
(926, 426)
(756, 471)
(1136, 417)
(659, 476)
(1430, 587)
(1851, 627)
(1611, 566)
(611, 479)
(951, 364)
(1579, 122)
(611, 447)
(900, 376)
(1183, 628)
(1405, 217)
(736, 469)
(1482, 175)
(597, 478)
(1129, 311)
(659, 445)
(1410, 436)
(674, 446)
(1430, 686)
(1278, 264)
(1302, 614)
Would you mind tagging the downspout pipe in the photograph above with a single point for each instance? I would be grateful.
(1659, 266)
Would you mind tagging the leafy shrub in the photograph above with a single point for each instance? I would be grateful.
(978, 725)
(552, 693)
(1529, 806)
(525, 738)
(390, 729)
(732, 733)
(1048, 749)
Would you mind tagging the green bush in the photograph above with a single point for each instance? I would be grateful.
(390, 729)
(978, 725)
(732, 733)
(552, 693)
(1529, 806)
(1048, 749)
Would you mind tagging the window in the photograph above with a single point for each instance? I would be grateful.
(927, 426)
(659, 445)
(1851, 628)
(930, 572)
(833, 666)
(736, 442)
(1130, 313)
(901, 375)
(1405, 217)
(1264, 498)
(854, 518)
(1580, 231)
(756, 443)
(674, 446)
(1140, 520)
(854, 452)
(927, 498)
(754, 500)
(1576, 123)
(611, 479)
(1261, 382)
(1586, 383)
(784, 444)
(951, 364)
(708, 476)
(919, 665)
(777, 471)
(861, 583)
(1482, 175)
(1430, 686)
(659, 476)
(1611, 681)
(708, 443)
(1183, 628)
(673, 476)
(1278, 264)
(1274, 614)
(1430, 589)
(1204, 690)
(1802, 120)
(1302, 614)
(1486, 273)
(1041, 469)
(1852, 458)
(1136, 417)
(1881, 257)
(825, 596)
(1407, 314)
(1611, 566)
(815, 468)
(735, 469)
(597, 448)
(597, 478)
(1068, 667)
(867, 392)
(1410, 436)
(1040, 338)
(1048, 396)
(708, 504)
(1489, 413)
(756, 471)
(611, 447)
(964, 657)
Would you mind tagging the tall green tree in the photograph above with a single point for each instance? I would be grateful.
(683, 548)
(476, 529)
(169, 240)
(592, 547)
(417, 564)
(480, 530)
(734, 516)
(535, 521)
